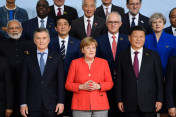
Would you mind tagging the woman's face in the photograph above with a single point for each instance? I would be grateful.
(89, 51)
(158, 25)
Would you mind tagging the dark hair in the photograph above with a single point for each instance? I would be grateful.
(137, 28)
(38, 30)
(45, 1)
(63, 17)
(171, 12)
(127, 1)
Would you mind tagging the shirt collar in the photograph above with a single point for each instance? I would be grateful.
(45, 19)
(46, 51)
(136, 16)
(140, 50)
(91, 19)
(56, 7)
(109, 7)
(173, 29)
(66, 39)
(10, 9)
(110, 35)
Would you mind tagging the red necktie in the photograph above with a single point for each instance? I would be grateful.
(107, 12)
(59, 13)
(88, 28)
(136, 64)
(114, 47)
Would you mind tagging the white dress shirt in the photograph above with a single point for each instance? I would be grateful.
(136, 19)
(66, 43)
(111, 39)
(109, 8)
(86, 22)
(174, 31)
(45, 21)
(56, 9)
(139, 55)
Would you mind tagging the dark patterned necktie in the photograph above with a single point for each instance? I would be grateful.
(133, 23)
(63, 49)
(136, 64)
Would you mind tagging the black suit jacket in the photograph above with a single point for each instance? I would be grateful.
(68, 11)
(169, 30)
(142, 92)
(143, 21)
(78, 28)
(100, 11)
(47, 90)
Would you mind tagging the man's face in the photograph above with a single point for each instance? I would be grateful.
(63, 27)
(134, 6)
(42, 9)
(173, 18)
(137, 39)
(41, 39)
(106, 2)
(59, 2)
(113, 23)
(14, 30)
(89, 8)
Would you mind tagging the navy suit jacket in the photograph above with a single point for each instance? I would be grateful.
(29, 27)
(73, 50)
(47, 90)
(169, 30)
(78, 28)
(100, 11)
(104, 49)
(143, 21)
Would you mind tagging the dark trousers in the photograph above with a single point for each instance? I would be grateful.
(138, 113)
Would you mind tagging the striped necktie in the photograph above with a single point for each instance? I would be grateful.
(63, 49)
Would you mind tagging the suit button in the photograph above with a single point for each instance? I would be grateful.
(89, 74)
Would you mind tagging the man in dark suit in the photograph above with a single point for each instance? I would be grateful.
(88, 25)
(139, 85)
(59, 9)
(106, 8)
(6, 89)
(134, 18)
(109, 46)
(68, 47)
(42, 80)
(42, 20)
(14, 49)
(172, 29)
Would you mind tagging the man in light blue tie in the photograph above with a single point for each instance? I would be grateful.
(42, 81)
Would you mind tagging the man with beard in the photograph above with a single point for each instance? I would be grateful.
(14, 49)
(42, 20)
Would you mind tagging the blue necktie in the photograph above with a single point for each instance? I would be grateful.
(42, 24)
(42, 63)
(133, 23)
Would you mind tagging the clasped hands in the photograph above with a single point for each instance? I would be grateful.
(90, 86)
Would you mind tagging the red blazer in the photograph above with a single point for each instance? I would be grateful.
(79, 73)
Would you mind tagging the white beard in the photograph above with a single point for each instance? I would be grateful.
(15, 37)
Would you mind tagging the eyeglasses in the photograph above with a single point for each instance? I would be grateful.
(134, 4)
(113, 22)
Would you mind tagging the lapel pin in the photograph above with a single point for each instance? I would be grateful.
(50, 57)
(95, 24)
(26, 52)
(49, 26)
(147, 54)
(65, 12)
(71, 42)
(142, 21)
(121, 38)
(167, 46)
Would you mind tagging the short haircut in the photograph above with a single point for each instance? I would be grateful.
(171, 12)
(45, 1)
(95, 1)
(127, 1)
(137, 28)
(156, 16)
(38, 30)
(63, 17)
(88, 41)
(14, 20)
(116, 13)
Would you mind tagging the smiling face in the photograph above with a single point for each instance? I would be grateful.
(89, 8)
(134, 6)
(137, 39)
(42, 9)
(158, 25)
(89, 51)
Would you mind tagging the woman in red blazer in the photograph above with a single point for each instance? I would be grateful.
(89, 78)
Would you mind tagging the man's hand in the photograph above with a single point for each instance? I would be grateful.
(8, 112)
(24, 110)
(172, 112)
(59, 108)
(121, 107)
(158, 106)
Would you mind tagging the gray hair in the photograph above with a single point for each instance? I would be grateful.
(95, 1)
(38, 30)
(156, 16)
(14, 20)
(115, 13)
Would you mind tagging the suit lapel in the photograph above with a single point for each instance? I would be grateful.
(82, 26)
(69, 48)
(127, 22)
(35, 25)
(140, 21)
(119, 44)
(49, 23)
(102, 11)
(36, 62)
(56, 45)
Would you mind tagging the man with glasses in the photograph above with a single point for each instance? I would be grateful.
(134, 18)
(109, 45)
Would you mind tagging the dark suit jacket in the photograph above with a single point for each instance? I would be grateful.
(104, 49)
(68, 11)
(78, 28)
(100, 11)
(170, 83)
(6, 88)
(169, 30)
(143, 21)
(29, 27)
(143, 92)
(73, 50)
(47, 90)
